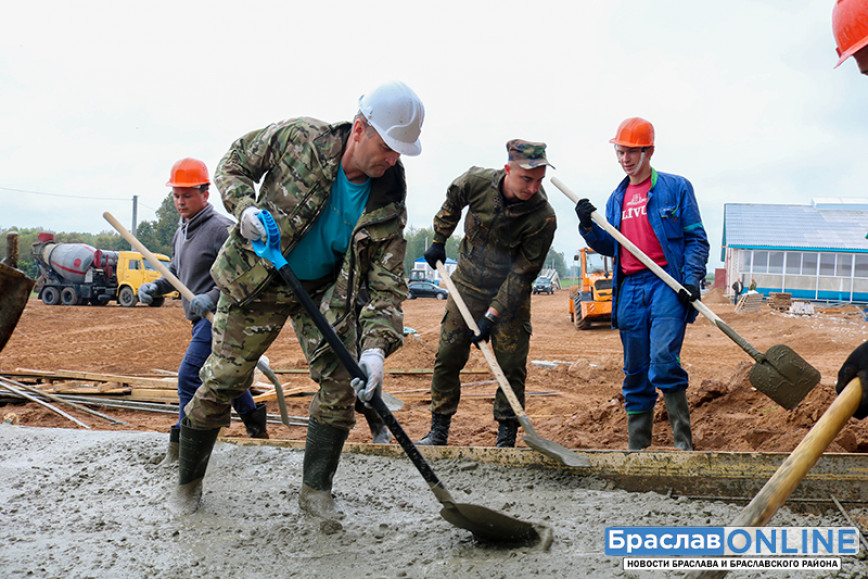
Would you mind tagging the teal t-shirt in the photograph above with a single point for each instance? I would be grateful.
(325, 243)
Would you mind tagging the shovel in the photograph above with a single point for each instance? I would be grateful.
(14, 289)
(788, 476)
(485, 524)
(549, 448)
(780, 373)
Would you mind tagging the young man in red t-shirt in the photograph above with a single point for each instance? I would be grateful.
(657, 212)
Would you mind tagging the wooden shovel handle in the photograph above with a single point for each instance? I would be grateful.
(152, 259)
(661, 273)
(483, 346)
(788, 476)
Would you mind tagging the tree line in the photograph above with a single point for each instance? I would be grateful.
(157, 235)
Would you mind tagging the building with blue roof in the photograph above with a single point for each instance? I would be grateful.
(816, 252)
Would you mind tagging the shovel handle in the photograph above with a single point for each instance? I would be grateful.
(788, 476)
(355, 371)
(662, 274)
(486, 349)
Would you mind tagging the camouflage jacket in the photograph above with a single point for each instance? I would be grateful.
(504, 245)
(298, 161)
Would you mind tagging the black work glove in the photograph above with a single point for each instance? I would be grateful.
(856, 365)
(584, 208)
(435, 253)
(485, 324)
(689, 293)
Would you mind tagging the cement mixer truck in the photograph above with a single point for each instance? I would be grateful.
(78, 274)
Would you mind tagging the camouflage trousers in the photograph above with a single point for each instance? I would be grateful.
(243, 333)
(510, 341)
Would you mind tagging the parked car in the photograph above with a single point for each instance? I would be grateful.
(543, 285)
(426, 289)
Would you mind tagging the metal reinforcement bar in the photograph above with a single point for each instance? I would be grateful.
(158, 407)
(693, 474)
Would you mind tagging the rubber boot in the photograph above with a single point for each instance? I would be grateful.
(639, 430)
(439, 434)
(679, 418)
(254, 421)
(506, 432)
(379, 431)
(171, 457)
(194, 450)
(322, 451)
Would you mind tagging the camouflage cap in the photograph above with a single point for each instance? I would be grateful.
(528, 155)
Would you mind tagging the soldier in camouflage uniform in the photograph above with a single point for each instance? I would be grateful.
(508, 230)
(337, 193)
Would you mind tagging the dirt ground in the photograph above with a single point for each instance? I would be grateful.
(576, 403)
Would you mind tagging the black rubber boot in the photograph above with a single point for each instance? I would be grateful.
(506, 432)
(322, 451)
(254, 421)
(679, 419)
(194, 450)
(439, 434)
(171, 457)
(639, 430)
(379, 431)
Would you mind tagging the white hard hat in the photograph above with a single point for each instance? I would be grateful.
(396, 113)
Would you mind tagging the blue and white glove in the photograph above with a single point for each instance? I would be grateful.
(251, 227)
(371, 363)
(201, 304)
(147, 292)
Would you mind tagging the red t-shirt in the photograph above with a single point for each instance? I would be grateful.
(636, 228)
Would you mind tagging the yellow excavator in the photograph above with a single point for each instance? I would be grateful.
(591, 299)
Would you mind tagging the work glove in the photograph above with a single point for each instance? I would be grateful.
(689, 293)
(202, 304)
(584, 208)
(856, 365)
(485, 323)
(435, 253)
(371, 363)
(147, 292)
(251, 227)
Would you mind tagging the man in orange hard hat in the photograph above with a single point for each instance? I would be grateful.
(850, 27)
(659, 214)
(200, 235)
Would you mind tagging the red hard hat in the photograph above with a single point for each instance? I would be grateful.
(850, 27)
(188, 173)
(634, 132)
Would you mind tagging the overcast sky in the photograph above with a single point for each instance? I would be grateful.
(99, 99)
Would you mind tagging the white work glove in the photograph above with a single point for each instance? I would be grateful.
(201, 304)
(251, 227)
(371, 363)
(147, 292)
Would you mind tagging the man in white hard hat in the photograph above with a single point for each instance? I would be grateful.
(337, 192)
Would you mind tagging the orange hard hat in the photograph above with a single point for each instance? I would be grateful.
(188, 173)
(850, 27)
(634, 132)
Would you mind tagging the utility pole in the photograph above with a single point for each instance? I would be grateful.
(135, 216)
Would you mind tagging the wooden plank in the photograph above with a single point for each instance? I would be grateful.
(151, 395)
(159, 383)
(706, 475)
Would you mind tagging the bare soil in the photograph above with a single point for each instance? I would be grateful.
(577, 402)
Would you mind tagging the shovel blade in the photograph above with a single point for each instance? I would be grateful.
(14, 290)
(784, 376)
(491, 526)
(554, 450)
